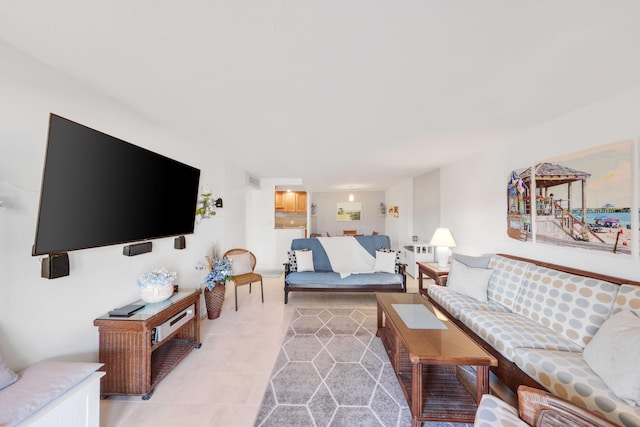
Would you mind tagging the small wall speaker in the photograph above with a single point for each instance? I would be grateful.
(180, 242)
(137, 249)
(55, 265)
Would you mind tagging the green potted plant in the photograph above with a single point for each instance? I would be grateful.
(206, 205)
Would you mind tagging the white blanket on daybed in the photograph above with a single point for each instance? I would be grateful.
(347, 256)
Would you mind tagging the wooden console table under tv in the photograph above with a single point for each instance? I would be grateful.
(134, 360)
(425, 360)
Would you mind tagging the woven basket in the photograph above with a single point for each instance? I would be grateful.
(214, 299)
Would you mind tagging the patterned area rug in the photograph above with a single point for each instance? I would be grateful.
(333, 371)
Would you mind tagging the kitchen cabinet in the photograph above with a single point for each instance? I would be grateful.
(291, 202)
(301, 203)
(279, 200)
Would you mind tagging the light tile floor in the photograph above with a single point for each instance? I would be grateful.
(222, 383)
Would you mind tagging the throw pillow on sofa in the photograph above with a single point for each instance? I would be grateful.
(304, 259)
(385, 262)
(612, 353)
(473, 261)
(293, 262)
(397, 254)
(469, 281)
(469, 261)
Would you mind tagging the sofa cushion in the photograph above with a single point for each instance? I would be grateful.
(40, 384)
(472, 282)
(455, 302)
(568, 375)
(506, 281)
(494, 412)
(628, 298)
(613, 354)
(572, 305)
(329, 279)
(507, 331)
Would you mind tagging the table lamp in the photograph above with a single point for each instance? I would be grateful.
(442, 240)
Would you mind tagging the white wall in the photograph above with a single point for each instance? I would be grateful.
(269, 245)
(473, 201)
(325, 219)
(42, 318)
(426, 205)
(400, 229)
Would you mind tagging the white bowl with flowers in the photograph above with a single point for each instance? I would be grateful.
(157, 285)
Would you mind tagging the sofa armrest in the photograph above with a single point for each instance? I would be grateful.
(541, 408)
(443, 280)
(287, 268)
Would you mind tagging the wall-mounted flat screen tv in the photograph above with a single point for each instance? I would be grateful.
(98, 190)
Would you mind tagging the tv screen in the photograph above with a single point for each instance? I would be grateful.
(98, 190)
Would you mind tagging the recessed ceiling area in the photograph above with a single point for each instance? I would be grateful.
(341, 95)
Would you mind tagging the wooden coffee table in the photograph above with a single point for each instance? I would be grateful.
(425, 360)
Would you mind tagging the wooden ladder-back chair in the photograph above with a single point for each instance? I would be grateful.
(349, 232)
(246, 278)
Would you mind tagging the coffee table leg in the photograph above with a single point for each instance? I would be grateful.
(482, 382)
(416, 399)
(379, 312)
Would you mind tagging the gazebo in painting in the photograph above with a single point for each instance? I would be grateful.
(548, 175)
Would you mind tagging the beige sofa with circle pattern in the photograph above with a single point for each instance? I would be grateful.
(539, 319)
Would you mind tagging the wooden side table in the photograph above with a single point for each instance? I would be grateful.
(432, 271)
(135, 360)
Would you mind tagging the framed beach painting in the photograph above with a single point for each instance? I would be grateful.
(584, 199)
(349, 211)
(519, 205)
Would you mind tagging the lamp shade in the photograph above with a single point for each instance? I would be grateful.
(442, 237)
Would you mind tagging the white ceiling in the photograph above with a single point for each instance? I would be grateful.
(344, 94)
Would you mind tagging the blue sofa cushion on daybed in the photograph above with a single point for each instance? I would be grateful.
(331, 279)
(320, 258)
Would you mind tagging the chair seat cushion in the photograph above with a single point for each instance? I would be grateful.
(245, 279)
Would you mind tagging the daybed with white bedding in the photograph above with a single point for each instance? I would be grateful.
(343, 264)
